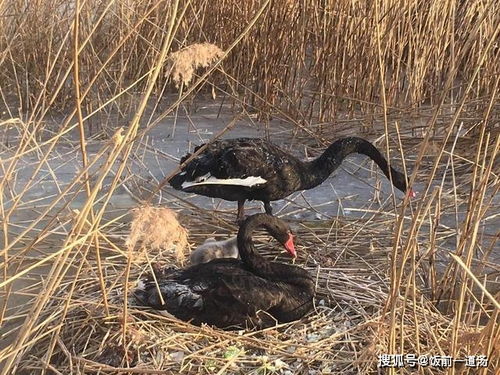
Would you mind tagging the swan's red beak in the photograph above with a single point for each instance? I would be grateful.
(289, 246)
(412, 194)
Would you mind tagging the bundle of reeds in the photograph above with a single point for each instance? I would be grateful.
(420, 277)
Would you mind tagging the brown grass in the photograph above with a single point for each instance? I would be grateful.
(157, 228)
(418, 78)
(304, 62)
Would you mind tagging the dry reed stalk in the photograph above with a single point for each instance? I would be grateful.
(329, 63)
(399, 266)
(58, 269)
(379, 290)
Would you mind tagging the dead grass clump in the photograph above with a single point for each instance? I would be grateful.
(183, 63)
(158, 228)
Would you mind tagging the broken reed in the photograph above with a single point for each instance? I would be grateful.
(307, 59)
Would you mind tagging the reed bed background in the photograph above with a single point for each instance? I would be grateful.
(86, 89)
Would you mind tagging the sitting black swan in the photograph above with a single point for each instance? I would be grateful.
(231, 293)
(252, 168)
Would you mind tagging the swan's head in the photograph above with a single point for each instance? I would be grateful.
(283, 234)
(286, 239)
(401, 182)
(274, 226)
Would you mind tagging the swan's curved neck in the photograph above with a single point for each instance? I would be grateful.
(255, 262)
(323, 166)
(252, 259)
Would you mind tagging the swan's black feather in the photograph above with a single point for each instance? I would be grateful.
(221, 292)
(238, 159)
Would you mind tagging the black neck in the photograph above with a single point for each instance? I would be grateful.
(324, 165)
(255, 262)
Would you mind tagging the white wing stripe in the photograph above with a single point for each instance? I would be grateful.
(247, 181)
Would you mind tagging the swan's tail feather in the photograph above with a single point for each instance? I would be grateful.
(177, 180)
(169, 295)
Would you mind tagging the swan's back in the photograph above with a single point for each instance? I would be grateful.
(241, 168)
(225, 294)
(220, 293)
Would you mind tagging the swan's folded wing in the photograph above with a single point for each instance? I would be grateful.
(243, 295)
(245, 161)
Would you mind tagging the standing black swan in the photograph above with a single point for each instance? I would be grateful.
(252, 168)
(251, 292)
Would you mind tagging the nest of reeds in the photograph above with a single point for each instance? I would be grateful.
(344, 334)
